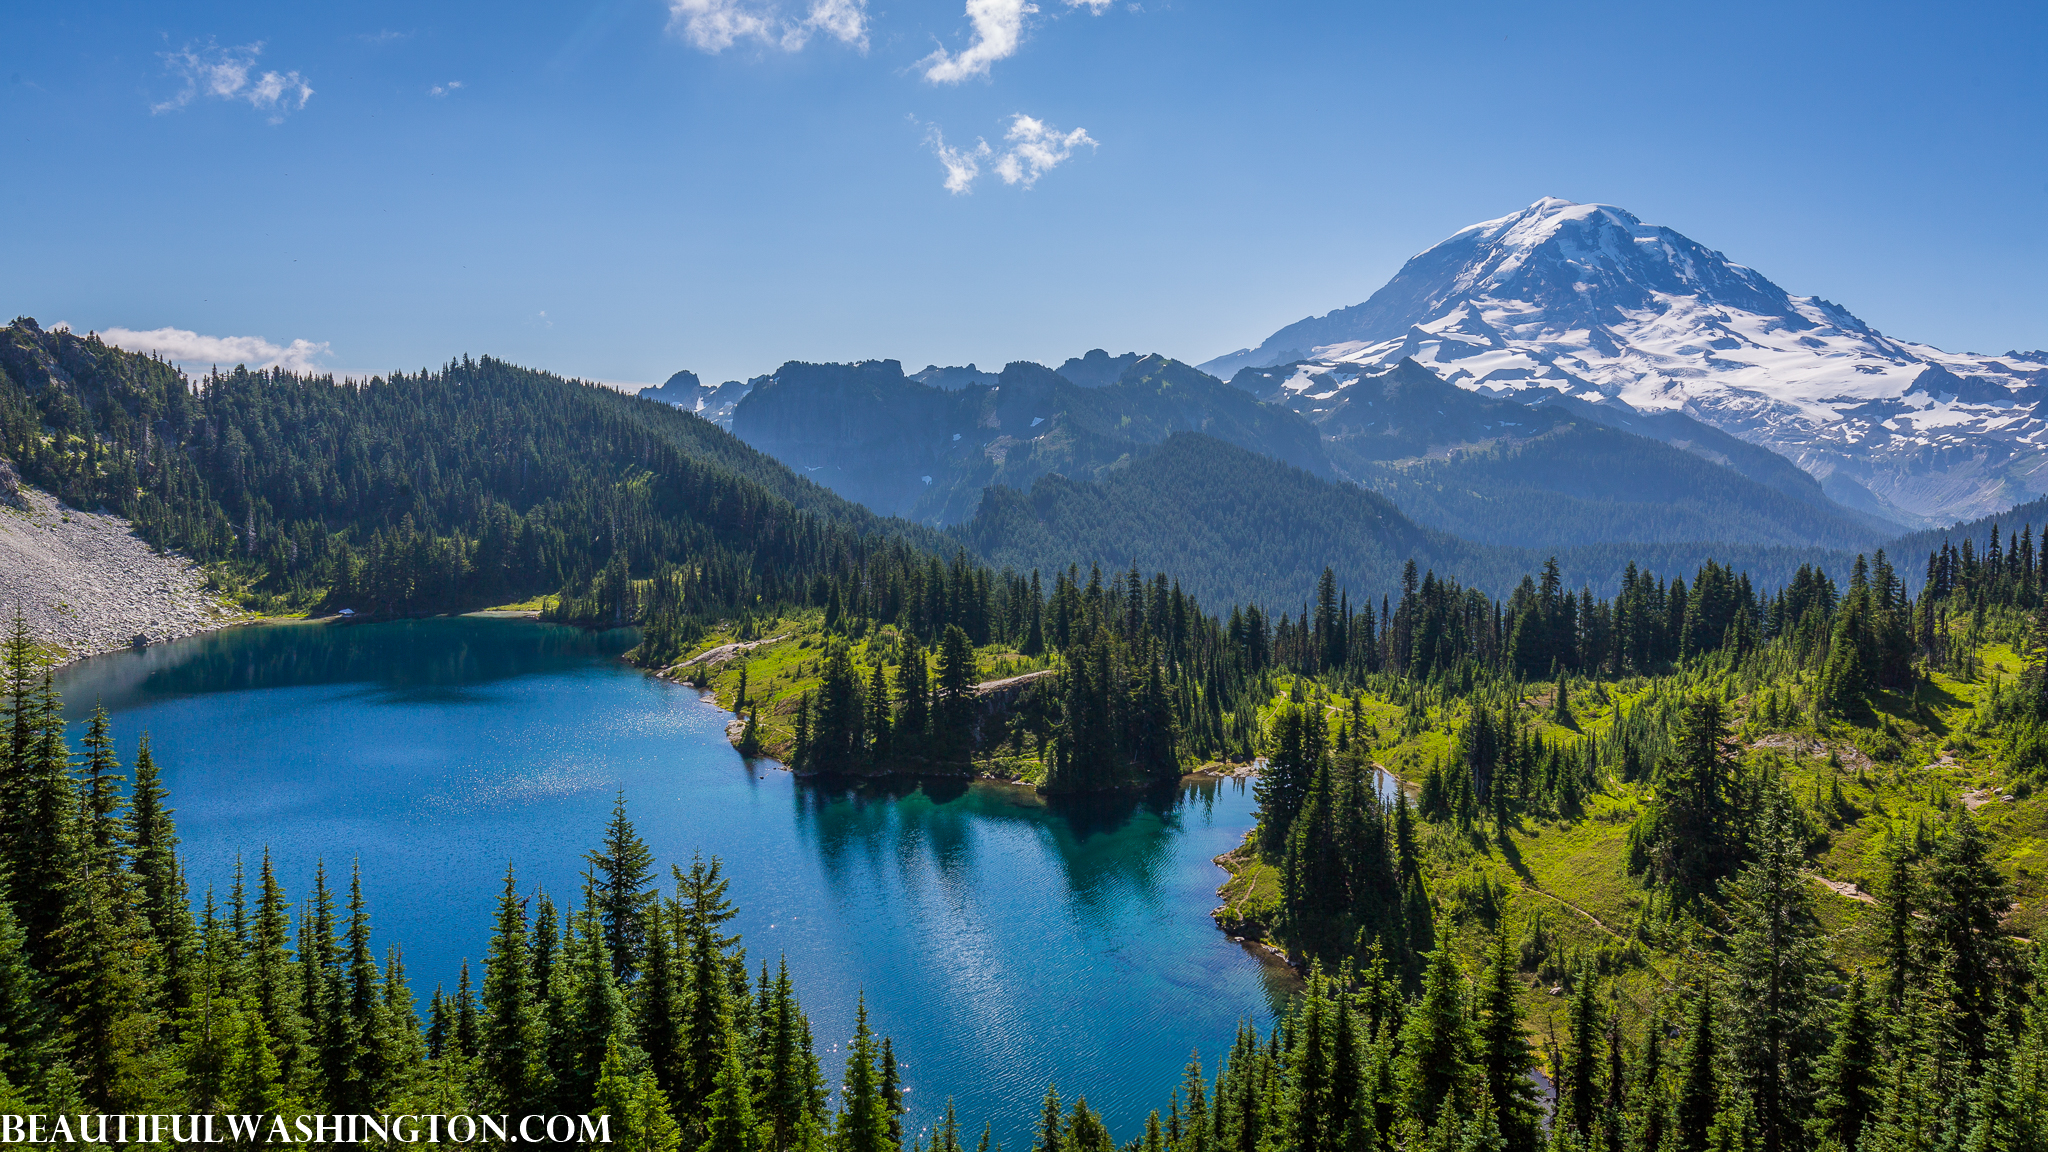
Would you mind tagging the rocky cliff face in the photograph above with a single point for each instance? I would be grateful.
(714, 403)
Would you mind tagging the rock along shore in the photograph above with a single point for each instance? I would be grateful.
(87, 584)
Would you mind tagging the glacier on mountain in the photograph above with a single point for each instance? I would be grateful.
(1587, 301)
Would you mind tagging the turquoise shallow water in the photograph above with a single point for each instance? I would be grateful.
(1000, 939)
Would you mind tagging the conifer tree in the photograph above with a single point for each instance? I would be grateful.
(880, 747)
(1649, 1099)
(1580, 1090)
(949, 1131)
(913, 718)
(622, 869)
(1192, 1133)
(109, 838)
(635, 1105)
(509, 1035)
(729, 1124)
(1051, 1134)
(160, 880)
(1914, 1113)
(1900, 915)
(953, 701)
(1848, 1073)
(401, 1047)
(1967, 899)
(700, 909)
(1504, 1052)
(27, 1038)
(1318, 1099)
(1314, 877)
(546, 945)
(469, 1033)
(597, 1015)
(1085, 1130)
(1774, 960)
(1438, 1050)
(1299, 739)
(659, 1003)
(103, 992)
(863, 1124)
(251, 1081)
(319, 993)
(363, 1077)
(792, 1092)
(1699, 1092)
(440, 1025)
(1687, 838)
(41, 803)
(892, 1093)
(276, 994)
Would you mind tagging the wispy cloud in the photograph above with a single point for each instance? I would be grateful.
(444, 89)
(189, 349)
(962, 165)
(1036, 148)
(213, 72)
(998, 30)
(1098, 7)
(715, 25)
(1031, 149)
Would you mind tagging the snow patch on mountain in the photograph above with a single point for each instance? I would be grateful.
(1586, 300)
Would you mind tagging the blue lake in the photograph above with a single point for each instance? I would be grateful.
(1001, 940)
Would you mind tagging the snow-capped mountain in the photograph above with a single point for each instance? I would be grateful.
(1588, 301)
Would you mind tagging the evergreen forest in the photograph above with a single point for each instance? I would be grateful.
(1700, 856)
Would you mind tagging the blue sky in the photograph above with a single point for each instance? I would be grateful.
(621, 188)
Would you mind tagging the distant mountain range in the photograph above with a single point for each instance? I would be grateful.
(1588, 302)
(713, 402)
(925, 452)
(1566, 380)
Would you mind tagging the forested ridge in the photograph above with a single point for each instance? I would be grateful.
(1586, 483)
(1236, 526)
(449, 490)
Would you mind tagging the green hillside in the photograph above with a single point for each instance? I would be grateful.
(1579, 482)
(1236, 527)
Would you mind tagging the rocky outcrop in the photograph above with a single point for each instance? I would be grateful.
(995, 699)
(86, 583)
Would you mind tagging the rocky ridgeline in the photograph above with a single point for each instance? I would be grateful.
(86, 583)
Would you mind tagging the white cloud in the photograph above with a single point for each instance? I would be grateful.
(1036, 149)
(1098, 7)
(962, 164)
(225, 74)
(444, 89)
(1033, 149)
(715, 25)
(998, 29)
(197, 353)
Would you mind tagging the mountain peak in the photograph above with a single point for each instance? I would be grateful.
(1589, 301)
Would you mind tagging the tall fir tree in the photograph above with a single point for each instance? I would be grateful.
(509, 1040)
(622, 868)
